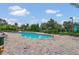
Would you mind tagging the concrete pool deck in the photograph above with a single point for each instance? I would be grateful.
(60, 45)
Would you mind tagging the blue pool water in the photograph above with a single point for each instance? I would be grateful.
(34, 35)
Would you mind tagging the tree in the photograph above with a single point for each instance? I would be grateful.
(23, 27)
(27, 27)
(3, 21)
(3, 24)
(68, 26)
(51, 23)
(71, 24)
(51, 26)
(75, 4)
(35, 27)
(16, 24)
(43, 27)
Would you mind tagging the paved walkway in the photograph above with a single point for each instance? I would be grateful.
(61, 45)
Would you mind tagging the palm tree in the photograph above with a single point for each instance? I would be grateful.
(72, 19)
(72, 23)
(65, 25)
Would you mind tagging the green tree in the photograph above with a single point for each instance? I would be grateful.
(35, 27)
(43, 27)
(75, 4)
(2, 22)
(16, 25)
(51, 26)
(23, 27)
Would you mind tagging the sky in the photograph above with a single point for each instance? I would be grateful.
(32, 13)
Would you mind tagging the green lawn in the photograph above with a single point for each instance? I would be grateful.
(71, 33)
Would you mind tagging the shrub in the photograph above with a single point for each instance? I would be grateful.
(1, 40)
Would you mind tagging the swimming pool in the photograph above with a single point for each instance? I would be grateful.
(34, 35)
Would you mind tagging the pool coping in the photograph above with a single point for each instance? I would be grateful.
(19, 35)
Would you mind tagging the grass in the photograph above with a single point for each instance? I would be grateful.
(71, 33)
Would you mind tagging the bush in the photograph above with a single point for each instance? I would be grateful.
(54, 31)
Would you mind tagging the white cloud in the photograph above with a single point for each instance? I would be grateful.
(59, 15)
(15, 8)
(10, 20)
(44, 20)
(75, 19)
(37, 20)
(61, 22)
(33, 17)
(51, 11)
(18, 11)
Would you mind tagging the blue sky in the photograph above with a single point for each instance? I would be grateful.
(37, 13)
